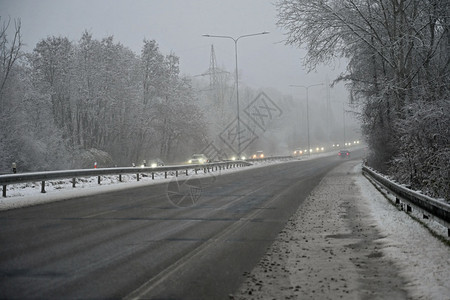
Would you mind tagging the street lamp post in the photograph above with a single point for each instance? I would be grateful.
(237, 79)
(306, 87)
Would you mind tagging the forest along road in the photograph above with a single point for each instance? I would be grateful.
(193, 238)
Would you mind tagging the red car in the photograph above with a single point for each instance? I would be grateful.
(344, 154)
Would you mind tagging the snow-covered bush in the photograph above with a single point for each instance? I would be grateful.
(423, 157)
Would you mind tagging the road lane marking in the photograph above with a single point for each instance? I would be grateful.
(99, 214)
(116, 210)
(153, 282)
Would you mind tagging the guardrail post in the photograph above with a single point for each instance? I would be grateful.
(176, 173)
(448, 232)
(74, 181)
(137, 176)
(408, 208)
(165, 174)
(187, 172)
(120, 177)
(98, 180)
(397, 201)
(43, 187)
(195, 171)
(153, 175)
(4, 190)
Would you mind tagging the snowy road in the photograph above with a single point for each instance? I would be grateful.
(190, 240)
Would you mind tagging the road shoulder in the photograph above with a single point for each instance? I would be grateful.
(330, 249)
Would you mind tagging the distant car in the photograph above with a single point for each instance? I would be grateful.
(344, 154)
(298, 152)
(258, 154)
(198, 159)
(243, 157)
(156, 163)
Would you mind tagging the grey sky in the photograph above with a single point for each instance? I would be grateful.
(178, 25)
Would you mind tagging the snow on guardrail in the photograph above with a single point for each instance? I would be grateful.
(73, 174)
(43, 177)
(430, 207)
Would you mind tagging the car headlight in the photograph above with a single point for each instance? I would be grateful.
(243, 158)
(233, 158)
(153, 165)
(190, 161)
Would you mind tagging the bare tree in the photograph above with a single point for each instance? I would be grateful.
(398, 52)
(10, 51)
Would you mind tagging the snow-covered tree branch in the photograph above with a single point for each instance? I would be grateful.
(398, 52)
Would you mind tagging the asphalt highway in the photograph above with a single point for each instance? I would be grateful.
(189, 238)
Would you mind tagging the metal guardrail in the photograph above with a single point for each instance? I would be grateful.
(430, 207)
(270, 158)
(52, 175)
(9, 179)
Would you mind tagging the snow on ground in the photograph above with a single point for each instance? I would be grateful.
(26, 194)
(422, 258)
(346, 241)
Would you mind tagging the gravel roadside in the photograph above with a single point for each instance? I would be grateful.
(330, 249)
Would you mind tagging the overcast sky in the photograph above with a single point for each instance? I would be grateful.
(177, 26)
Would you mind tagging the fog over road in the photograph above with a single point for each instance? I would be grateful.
(138, 243)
